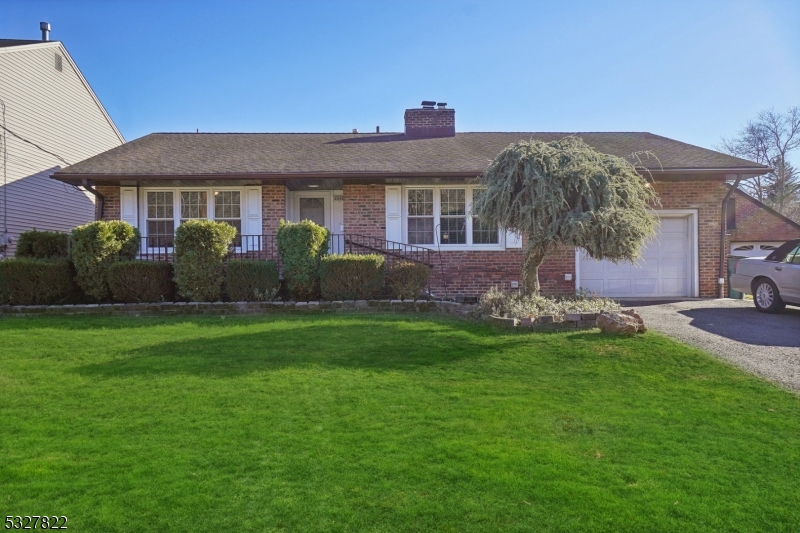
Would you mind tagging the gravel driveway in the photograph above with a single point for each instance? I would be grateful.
(767, 345)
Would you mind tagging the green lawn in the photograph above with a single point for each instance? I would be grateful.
(381, 423)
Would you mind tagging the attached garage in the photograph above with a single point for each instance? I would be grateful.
(668, 267)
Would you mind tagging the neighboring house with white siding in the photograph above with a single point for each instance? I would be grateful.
(52, 119)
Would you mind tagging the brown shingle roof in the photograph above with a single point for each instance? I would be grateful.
(198, 154)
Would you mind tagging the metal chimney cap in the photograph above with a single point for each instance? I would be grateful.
(428, 104)
(45, 27)
(441, 105)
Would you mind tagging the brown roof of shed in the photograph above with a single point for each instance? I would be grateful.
(309, 154)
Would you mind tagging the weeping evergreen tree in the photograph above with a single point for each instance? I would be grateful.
(567, 193)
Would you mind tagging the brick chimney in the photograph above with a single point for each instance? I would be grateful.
(430, 121)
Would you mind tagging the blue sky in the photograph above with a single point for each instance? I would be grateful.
(694, 71)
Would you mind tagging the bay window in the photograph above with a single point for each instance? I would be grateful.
(441, 216)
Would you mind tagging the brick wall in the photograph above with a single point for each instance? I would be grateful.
(111, 207)
(706, 197)
(365, 210)
(273, 207)
(754, 223)
(470, 273)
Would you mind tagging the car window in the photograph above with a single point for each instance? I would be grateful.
(782, 252)
(793, 256)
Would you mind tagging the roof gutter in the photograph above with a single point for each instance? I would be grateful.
(723, 231)
(73, 177)
(101, 200)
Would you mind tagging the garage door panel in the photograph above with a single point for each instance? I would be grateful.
(618, 286)
(645, 286)
(663, 270)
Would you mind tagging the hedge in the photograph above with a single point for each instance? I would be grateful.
(26, 281)
(200, 250)
(301, 247)
(406, 279)
(351, 277)
(95, 247)
(249, 280)
(43, 244)
(141, 281)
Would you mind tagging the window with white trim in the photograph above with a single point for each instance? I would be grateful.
(166, 209)
(441, 216)
(160, 225)
(482, 233)
(420, 216)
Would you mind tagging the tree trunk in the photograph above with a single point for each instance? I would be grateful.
(530, 270)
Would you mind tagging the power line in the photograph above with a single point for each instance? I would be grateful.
(23, 139)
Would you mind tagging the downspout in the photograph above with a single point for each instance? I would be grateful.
(723, 230)
(101, 200)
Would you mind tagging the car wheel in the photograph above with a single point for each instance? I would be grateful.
(766, 297)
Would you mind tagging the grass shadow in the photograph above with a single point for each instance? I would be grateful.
(372, 343)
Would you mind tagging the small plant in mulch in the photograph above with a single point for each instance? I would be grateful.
(512, 304)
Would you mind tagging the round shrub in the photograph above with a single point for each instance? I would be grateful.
(250, 280)
(95, 247)
(200, 250)
(351, 277)
(301, 246)
(42, 244)
(141, 281)
(406, 279)
(26, 281)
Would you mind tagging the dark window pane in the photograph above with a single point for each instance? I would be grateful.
(194, 204)
(159, 204)
(483, 234)
(160, 233)
(313, 209)
(420, 202)
(227, 204)
(453, 202)
(420, 230)
(453, 230)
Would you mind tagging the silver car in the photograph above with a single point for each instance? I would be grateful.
(774, 281)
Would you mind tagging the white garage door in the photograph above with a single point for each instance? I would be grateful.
(664, 270)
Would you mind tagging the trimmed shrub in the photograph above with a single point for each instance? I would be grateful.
(26, 281)
(141, 281)
(406, 279)
(200, 250)
(95, 247)
(301, 246)
(249, 280)
(351, 277)
(514, 304)
(43, 244)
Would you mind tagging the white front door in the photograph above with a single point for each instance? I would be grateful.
(665, 269)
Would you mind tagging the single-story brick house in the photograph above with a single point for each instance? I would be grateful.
(414, 188)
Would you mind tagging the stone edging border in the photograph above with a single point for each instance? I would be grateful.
(542, 323)
(571, 321)
(239, 308)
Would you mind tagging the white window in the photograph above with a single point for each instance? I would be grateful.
(166, 209)
(441, 216)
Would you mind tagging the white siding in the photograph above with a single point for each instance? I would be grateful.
(58, 112)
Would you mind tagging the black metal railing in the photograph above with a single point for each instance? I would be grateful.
(393, 251)
(161, 248)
